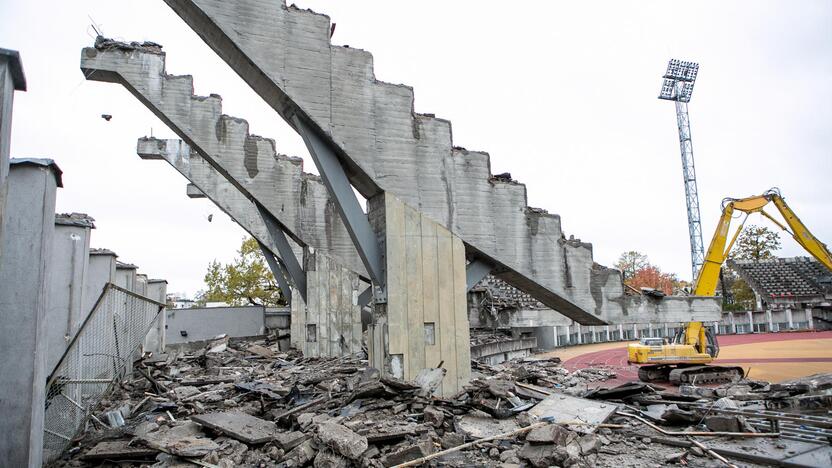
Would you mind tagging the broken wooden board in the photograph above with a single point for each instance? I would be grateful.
(584, 415)
(240, 426)
(119, 450)
(210, 380)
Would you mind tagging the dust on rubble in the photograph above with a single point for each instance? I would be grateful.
(246, 403)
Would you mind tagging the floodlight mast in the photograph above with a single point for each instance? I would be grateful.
(678, 87)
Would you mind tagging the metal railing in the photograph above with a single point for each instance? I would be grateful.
(99, 355)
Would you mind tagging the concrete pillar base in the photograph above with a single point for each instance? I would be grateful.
(424, 321)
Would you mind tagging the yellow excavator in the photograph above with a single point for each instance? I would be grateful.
(684, 359)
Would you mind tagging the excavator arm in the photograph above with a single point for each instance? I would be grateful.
(708, 277)
(801, 233)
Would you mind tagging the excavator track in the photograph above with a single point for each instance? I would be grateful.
(706, 374)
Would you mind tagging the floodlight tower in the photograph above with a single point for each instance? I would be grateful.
(678, 87)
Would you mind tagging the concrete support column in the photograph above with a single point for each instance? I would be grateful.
(635, 331)
(750, 321)
(29, 225)
(789, 318)
(620, 331)
(649, 329)
(569, 335)
(809, 318)
(424, 320)
(11, 80)
(769, 320)
(607, 329)
(580, 333)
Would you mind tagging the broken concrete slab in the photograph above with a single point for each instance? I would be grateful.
(289, 440)
(480, 427)
(579, 414)
(119, 450)
(342, 440)
(409, 453)
(241, 426)
(551, 434)
(184, 440)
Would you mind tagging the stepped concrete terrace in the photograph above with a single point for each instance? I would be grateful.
(246, 162)
(285, 55)
(315, 219)
(250, 162)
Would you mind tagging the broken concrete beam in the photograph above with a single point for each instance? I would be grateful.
(248, 162)
(315, 219)
(240, 426)
(192, 191)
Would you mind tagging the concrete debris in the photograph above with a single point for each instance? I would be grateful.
(103, 43)
(237, 407)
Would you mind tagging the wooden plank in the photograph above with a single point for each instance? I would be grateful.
(117, 450)
(415, 314)
(461, 329)
(445, 300)
(430, 290)
(238, 425)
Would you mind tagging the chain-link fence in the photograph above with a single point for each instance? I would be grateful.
(100, 354)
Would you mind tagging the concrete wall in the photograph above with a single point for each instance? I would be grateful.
(68, 264)
(329, 323)
(206, 323)
(154, 342)
(29, 225)
(11, 79)
(424, 321)
(100, 271)
(126, 276)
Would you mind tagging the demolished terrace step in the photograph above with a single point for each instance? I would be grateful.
(226, 155)
(251, 164)
(285, 54)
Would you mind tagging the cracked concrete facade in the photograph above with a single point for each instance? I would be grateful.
(284, 54)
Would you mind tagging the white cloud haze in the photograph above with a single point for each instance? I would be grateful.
(561, 94)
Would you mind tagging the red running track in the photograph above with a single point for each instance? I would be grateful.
(616, 358)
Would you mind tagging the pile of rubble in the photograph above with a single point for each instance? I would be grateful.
(248, 404)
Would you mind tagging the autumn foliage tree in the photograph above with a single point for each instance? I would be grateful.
(639, 273)
(245, 281)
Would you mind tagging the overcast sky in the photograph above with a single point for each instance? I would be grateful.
(561, 94)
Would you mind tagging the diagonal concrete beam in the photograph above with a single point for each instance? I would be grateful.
(285, 55)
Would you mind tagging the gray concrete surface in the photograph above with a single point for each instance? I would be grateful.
(126, 276)
(29, 223)
(425, 319)
(11, 79)
(68, 264)
(205, 323)
(328, 324)
(100, 271)
(154, 342)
